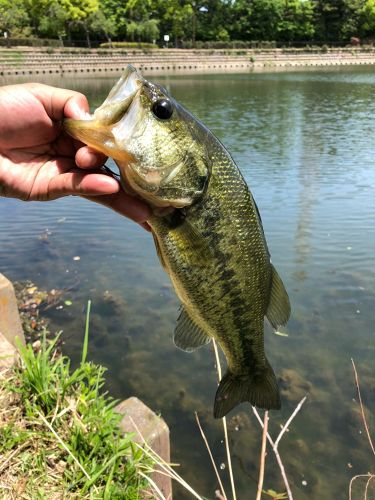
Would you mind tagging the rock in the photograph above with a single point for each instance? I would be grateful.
(10, 323)
(147, 426)
(8, 353)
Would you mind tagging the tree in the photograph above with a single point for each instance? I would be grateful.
(367, 22)
(148, 31)
(212, 20)
(329, 18)
(255, 20)
(100, 23)
(53, 23)
(133, 19)
(78, 12)
(296, 21)
(116, 12)
(14, 18)
(176, 19)
(350, 25)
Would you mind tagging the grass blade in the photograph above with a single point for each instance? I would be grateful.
(86, 338)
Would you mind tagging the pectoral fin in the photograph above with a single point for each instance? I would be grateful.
(278, 311)
(188, 336)
(159, 253)
(191, 244)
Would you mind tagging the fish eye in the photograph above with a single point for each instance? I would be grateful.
(163, 109)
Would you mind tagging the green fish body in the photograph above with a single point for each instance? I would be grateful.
(206, 227)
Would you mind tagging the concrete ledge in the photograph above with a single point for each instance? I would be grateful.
(39, 62)
(146, 425)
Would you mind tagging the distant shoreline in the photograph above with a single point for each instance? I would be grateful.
(26, 61)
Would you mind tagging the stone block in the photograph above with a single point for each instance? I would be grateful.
(10, 323)
(8, 353)
(148, 426)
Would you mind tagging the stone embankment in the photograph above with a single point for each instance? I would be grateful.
(23, 61)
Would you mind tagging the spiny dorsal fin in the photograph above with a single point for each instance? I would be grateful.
(188, 336)
(278, 311)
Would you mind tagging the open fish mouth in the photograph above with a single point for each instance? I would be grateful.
(120, 97)
(96, 129)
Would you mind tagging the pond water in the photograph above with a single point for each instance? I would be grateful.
(305, 144)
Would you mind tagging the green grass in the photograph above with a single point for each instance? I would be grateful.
(59, 434)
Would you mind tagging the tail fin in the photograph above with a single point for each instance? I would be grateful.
(260, 390)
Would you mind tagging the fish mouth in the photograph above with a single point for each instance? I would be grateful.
(96, 129)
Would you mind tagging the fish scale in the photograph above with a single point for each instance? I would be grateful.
(229, 297)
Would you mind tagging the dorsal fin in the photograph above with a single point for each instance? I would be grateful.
(188, 336)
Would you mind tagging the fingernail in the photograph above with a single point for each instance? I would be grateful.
(78, 113)
(91, 158)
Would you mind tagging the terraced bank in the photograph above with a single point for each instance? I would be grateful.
(25, 61)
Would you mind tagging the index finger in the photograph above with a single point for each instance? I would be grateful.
(61, 103)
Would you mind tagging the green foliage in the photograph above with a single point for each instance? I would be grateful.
(233, 44)
(14, 18)
(368, 19)
(72, 430)
(29, 42)
(127, 45)
(188, 22)
(296, 21)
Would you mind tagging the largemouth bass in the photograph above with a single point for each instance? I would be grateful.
(206, 227)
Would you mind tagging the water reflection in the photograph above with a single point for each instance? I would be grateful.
(304, 142)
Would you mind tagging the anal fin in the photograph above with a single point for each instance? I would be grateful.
(278, 311)
(188, 336)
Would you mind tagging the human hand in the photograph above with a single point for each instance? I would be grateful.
(40, 162)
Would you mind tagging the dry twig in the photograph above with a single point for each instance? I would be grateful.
(222, 491)
(369, 475)
(262, 456)
(358, 476)
(275, 444)
(362, 409)
(226, 439)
